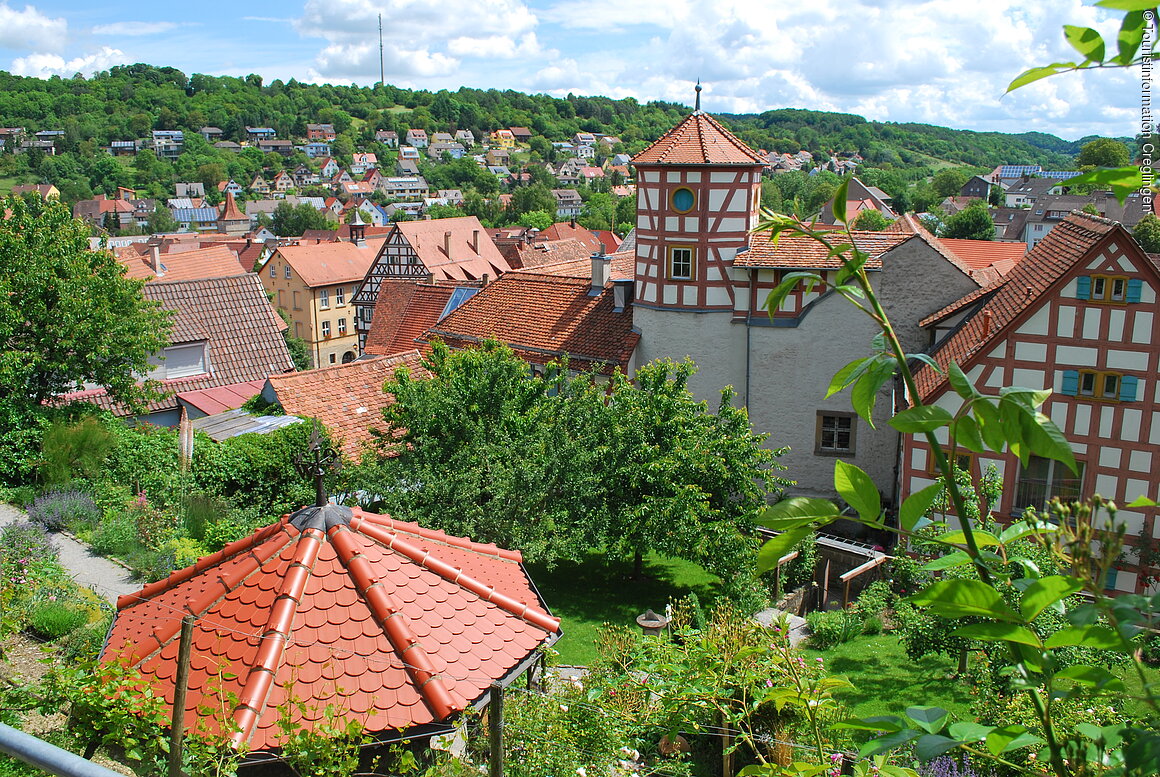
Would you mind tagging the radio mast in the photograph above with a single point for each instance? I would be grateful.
(382, 78)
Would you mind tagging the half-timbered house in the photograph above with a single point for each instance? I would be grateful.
(1077, 316)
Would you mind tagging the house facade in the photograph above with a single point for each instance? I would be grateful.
(1076, 316)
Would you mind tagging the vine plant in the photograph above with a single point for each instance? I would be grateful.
(1007, 591)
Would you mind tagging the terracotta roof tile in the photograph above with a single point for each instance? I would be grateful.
(348, 398)
(567, 230)
(404, 310)
(1001, 255)
(407, 626)
(236, 320)
(429, 241)
(543, 318)
(525, 256)
(325, 264)
(791, 252)
(698, 140)
(1065, 245)
(622, 267)
(214, 261)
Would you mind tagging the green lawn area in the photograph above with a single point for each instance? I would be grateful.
(597, 590)
(886, 682)
(8, 181)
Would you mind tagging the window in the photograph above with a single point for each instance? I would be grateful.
(340, 296)
(180, 361)
(341, 327)
(324, 298)
(1108, 386)
(963, 461)
(326, 329)
(683, 200)
(287, 272)
(681, 263)
(835, 434)
(333, 359)
(1043, 479)
(273, 271)
(1109, 288)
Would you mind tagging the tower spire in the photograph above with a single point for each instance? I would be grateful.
(697, 105)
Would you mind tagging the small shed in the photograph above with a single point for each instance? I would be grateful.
(395, 625)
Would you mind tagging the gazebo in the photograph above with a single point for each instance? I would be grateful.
(395, 625)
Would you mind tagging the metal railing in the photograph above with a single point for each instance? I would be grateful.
(49, 758)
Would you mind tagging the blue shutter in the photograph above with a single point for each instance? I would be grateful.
(1135, 286)
(1110, 583)
(1083, 287)
(1128, 388)
(1071, 382)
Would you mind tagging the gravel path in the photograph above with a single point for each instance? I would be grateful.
(109, 580)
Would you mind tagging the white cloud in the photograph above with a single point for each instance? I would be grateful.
(30, 29)
(420, 38)
(46, 65)
(133, 28)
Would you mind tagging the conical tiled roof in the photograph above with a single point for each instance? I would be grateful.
(698, 140)
(230, 210)
(395, 625)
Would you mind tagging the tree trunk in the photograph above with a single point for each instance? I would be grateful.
(962, 662)
(637, 565)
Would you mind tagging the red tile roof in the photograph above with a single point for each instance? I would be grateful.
(1000, 255)
(429, 239)
(792, 252)
(543, 318)
(1068, 243)
(698, 140)
(404, 310)
(325, 264)
(214, 261)
(395, 625)
(348, 398)
(218, 400)
(565, 230)
(622, 267)
(234, 317)
(230, 210)
(524, 256)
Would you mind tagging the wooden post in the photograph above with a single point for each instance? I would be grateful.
(495, 731)
(726, 747)
(180, 690)
(826, 586)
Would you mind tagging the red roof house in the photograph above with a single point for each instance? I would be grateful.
(395, 625)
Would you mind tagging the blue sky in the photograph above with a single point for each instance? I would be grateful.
(941, 62)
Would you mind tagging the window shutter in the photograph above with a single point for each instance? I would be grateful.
(1128, 388)
(1110, 583)
(1071, 382)
(1135, 286)
(1083, 288)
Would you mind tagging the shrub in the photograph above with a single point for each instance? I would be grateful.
(201, 510)
(116, 535)
(872, 625)
(58, 510)
(234, 525)
(875, 599)
(53, 620)
(85, 643)
(71, 450)
(833, 628)
(185, 551)
(21, 496)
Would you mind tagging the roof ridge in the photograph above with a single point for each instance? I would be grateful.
(409, 527)
(393, 541)
(275, 635)
(382, 605)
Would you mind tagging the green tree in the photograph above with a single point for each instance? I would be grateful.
(972, 222)
(292, 220)
(161, 221)
(871, 220)
(537, 219)
(1103, 152)
(68, 318)
(948, 182)
(599, 212)
(531, 198)
(1147, 233)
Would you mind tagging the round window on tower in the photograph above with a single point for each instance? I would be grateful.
(683, 200)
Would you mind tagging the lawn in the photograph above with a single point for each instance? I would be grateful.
(597, 590)
(886, 682)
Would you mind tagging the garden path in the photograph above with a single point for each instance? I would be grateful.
(109, 580)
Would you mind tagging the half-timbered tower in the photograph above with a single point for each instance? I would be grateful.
(1077, 316)
(441, 250)
(702, 279)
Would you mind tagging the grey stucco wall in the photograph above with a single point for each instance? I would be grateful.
(915, 282)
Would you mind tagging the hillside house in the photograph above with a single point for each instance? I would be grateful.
(323, 132)
(416, 138)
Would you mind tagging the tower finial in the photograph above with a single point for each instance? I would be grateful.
(697, 105)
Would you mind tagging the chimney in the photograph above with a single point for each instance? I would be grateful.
(155, 259)
(430, 279)
(621, 294)
(447, 244)
(475, 240)
(986, 323)
(600, 265)
(485, 280)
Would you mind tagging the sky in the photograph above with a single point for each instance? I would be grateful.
(944, 62)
